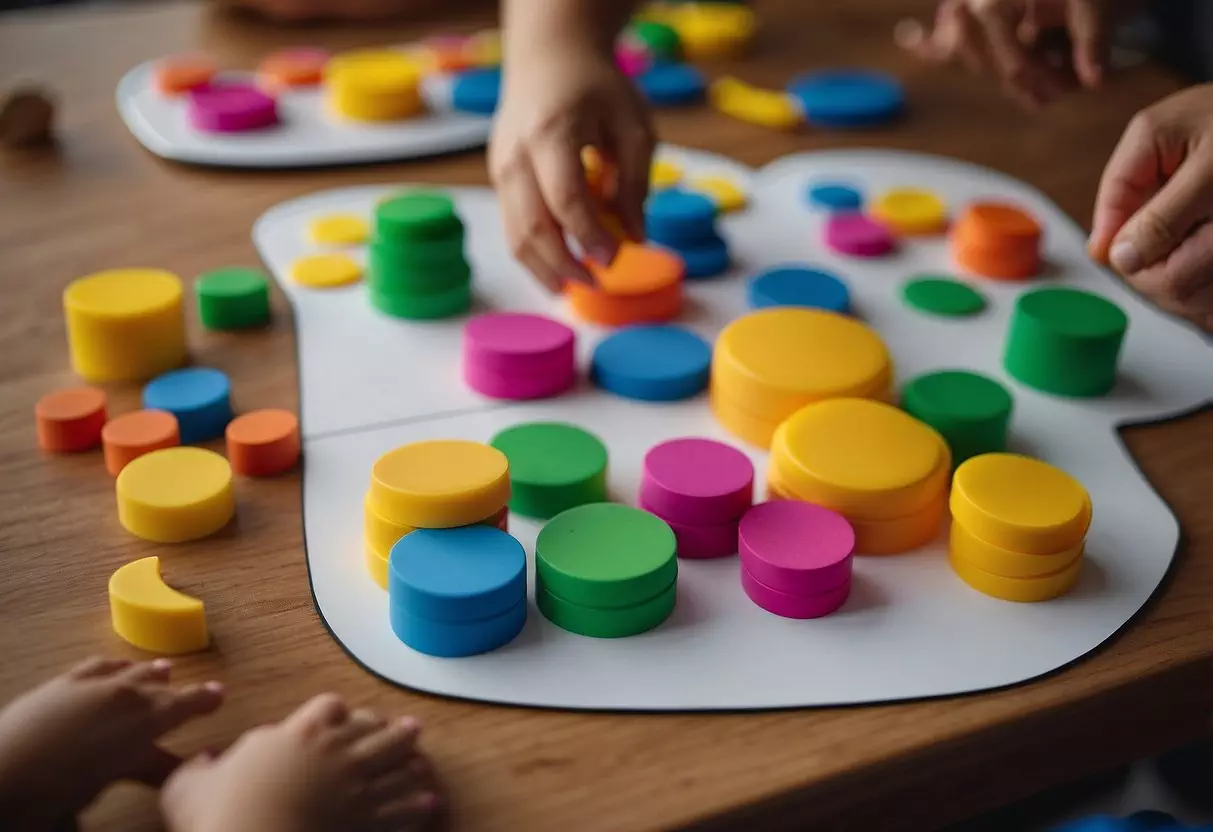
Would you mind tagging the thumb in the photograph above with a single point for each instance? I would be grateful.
(1167, 218)
(1089, 33)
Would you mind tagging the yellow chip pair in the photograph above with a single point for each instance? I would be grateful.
(439, 484)
(766, 108)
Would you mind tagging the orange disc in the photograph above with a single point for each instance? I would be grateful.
(293, 68)
(181, 73)
(621, 310)
(1003, 222)
(638, 270)
(132, 435)
(70, 420)
(997, 240)
(263, 443)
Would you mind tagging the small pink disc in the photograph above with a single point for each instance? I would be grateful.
(699, 482)
(795, 547)
(701, 542)
(858, 236)
(517, 387)
(518, 344)
(793, 606)
(231, 108)
(631, 60)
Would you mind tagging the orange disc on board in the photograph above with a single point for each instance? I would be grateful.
(622, 310)
(132, 435)
(998, 240)
(263, 443)
(293, 68)
(70, 420)
(179, 74)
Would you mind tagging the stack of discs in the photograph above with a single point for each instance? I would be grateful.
(642, 285)
(685, 223)
(998, 240)
(796, 558)
(374, 85)
(509, 355)
(701, 489)
(1018, 527)
(416, 265)
(770, 363)
(553, 467)
(606, 571)
(884, 471)
(125, 324)
(437, 484)
(457, 592)
(970, 411)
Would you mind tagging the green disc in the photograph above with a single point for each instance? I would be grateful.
(1065, 341)
(430, 253)
(391, 275)
(600, 623)
(233, 298)
(444, 304)
(553, 467)
(659, 39)
(606, 555)
(943, 296)
(970, 411)
(416, 215)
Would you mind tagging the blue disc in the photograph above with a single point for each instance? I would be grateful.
(704, 258)
(652, 363)
(198, 396)
(454, 640)
(477, 91)
(456, 575)
(798, 286)
(668, 84)
(848, 98)
(674, 216)
(1095, 823)
(834, 196)
(1153, 821)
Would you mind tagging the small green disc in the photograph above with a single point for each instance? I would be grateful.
(430, 253)
(943, 296)
(416, 215)
(392, 275)
(659, 39)
(599, 623)
(606, 556)
(425, 307)
(971, 412)
(553, 467)
(233, 298)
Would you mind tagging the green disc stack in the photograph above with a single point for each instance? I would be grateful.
(553, 467)
(232, 298)
(971, 412)
(416, 266)
(660, 40)
(606, 571)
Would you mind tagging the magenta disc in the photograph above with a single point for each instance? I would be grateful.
(858, 236)
(517, 387)
(700, 482)
(793, 606)
(231, 108)
(701, 542)
(795, 547)
(631, 60)
(518, 344)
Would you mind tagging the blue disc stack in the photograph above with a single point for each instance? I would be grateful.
(685, 223)
(843, 99)
(477, 91)
(652, 363)
(199, 397)
(792, 285)
(457, 592)
(834, 197)
(672, 85)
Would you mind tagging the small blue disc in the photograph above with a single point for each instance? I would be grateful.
(674, 216)
(848, 98)
(671, 85)
(454, 640)
(704, 258)
(199, 397)
(456, 575)
(652, 363)
(834, 196)
(477, 91)
(798, 286)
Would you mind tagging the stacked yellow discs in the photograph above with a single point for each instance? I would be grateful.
(1018, 527)
(374, 85)
(175, 494)
(438, 484)
(770, 363)
(125, 324)
(882, 469)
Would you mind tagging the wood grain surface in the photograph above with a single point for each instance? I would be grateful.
(97, 200)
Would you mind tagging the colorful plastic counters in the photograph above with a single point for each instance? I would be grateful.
(606, 571)
(175, 495)
(844, 99)
(942, 296)
(631, 59)
(709, 31)
(883, 470)
(447, 54)
(834, 196)
(199, 397)
(263, 443)
(911, 212)
(701, 489)
(296, 68)
(178, 74)
(457, 592)
(664, 174)
(338, 230)
(642, 285)
(672, 85)
(770, 363)
(553, 467)
(971, 412)
(150, 615)
(685, 223)
(511, 355)
(417, 268)
(231, 108)
(657, 363)
(722, 190)
(660, 40)
(232, 298)
(796, 558)
(69, 421)
(131, 435)
(374, 85)
(794, 285)
(997, 240)
(326, 271)
(125, 324)
(1065, 341)
(765, 108)
(477, 91)
(1018, 527)
(857, 235)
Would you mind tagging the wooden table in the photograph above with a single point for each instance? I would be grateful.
(100, 201)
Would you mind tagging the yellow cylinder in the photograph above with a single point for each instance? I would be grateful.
(176, 494)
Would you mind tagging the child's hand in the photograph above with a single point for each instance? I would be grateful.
(1155, 202)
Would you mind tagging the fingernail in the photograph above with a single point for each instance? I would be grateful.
(162, 664)
(409, 723)
(213, 687)
(1125, 257)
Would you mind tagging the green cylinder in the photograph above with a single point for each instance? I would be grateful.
(971, 412)
(417, 215)
(424, 307)
(606, 623)
(390, 273)
(232, 298)
(660, 40)
(553, 467)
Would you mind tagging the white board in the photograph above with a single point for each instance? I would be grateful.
(910, 629)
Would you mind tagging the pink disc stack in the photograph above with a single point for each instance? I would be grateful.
(796, 558)
(508, 355)
(701, 488)
(231, 108)
(631, 60)
(856, 235)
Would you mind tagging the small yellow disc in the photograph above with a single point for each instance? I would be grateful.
(325, 271)
(151, 615)
(123, 293)
(911, 212)
(1019, 503)
(1023, 590)
(714, 30)
(440, 484)
(664, 175)
(175, 494)
(726, 193)
(998, 561)
(766, 108)
(382, 534)
(339, 230)
(375, 72)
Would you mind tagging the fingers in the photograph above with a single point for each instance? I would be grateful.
(158, 767)
(361, 723)
(171, 708)
(1183, 282)
(632, 142)
(389, 747)
(323, 711)
(151, 672)
(562, 185)
(1133, 174)
(392, 814)
(1020, 74)
(98, 667)
(1089, 34)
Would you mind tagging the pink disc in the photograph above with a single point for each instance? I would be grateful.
(701, 542)
(858, 236)
(231, 108)
(793, 606)
(632, 60)
(699, 482)
(795, 547)
(518, 344)
(517, 387)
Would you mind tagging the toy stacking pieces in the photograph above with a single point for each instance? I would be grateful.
(149, 614)
(70, 420)
(199, 397)
(175, 494)
(970, 411)
(374, 85)
(997, 240)
(770, 363)
(263, 443)
(642, 285)
(134, 434)
(884, 471)
(700, 488)
(510, 355)
(910, 212)
(1018, 527)
(685, 223)
(606, 570)
(856, 235)
(417, 267)
(231, 108)
(553, 467)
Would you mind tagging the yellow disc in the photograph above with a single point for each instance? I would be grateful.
(485, 48)
(714, 30)
(325, 271)
(1024, 590)
(153, 616)
(175, 494)
(726, 193)
(999, 561)
(745, 426)
(901, 534)
(766, 108)
(376, 563)
(124, 294)
(339, 230)
(664, 175)
(381, 534)
(440, 484)
(374, 72)
(911, 212)
(1019, 503)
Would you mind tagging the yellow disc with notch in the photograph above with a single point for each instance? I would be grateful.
(151, 615)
